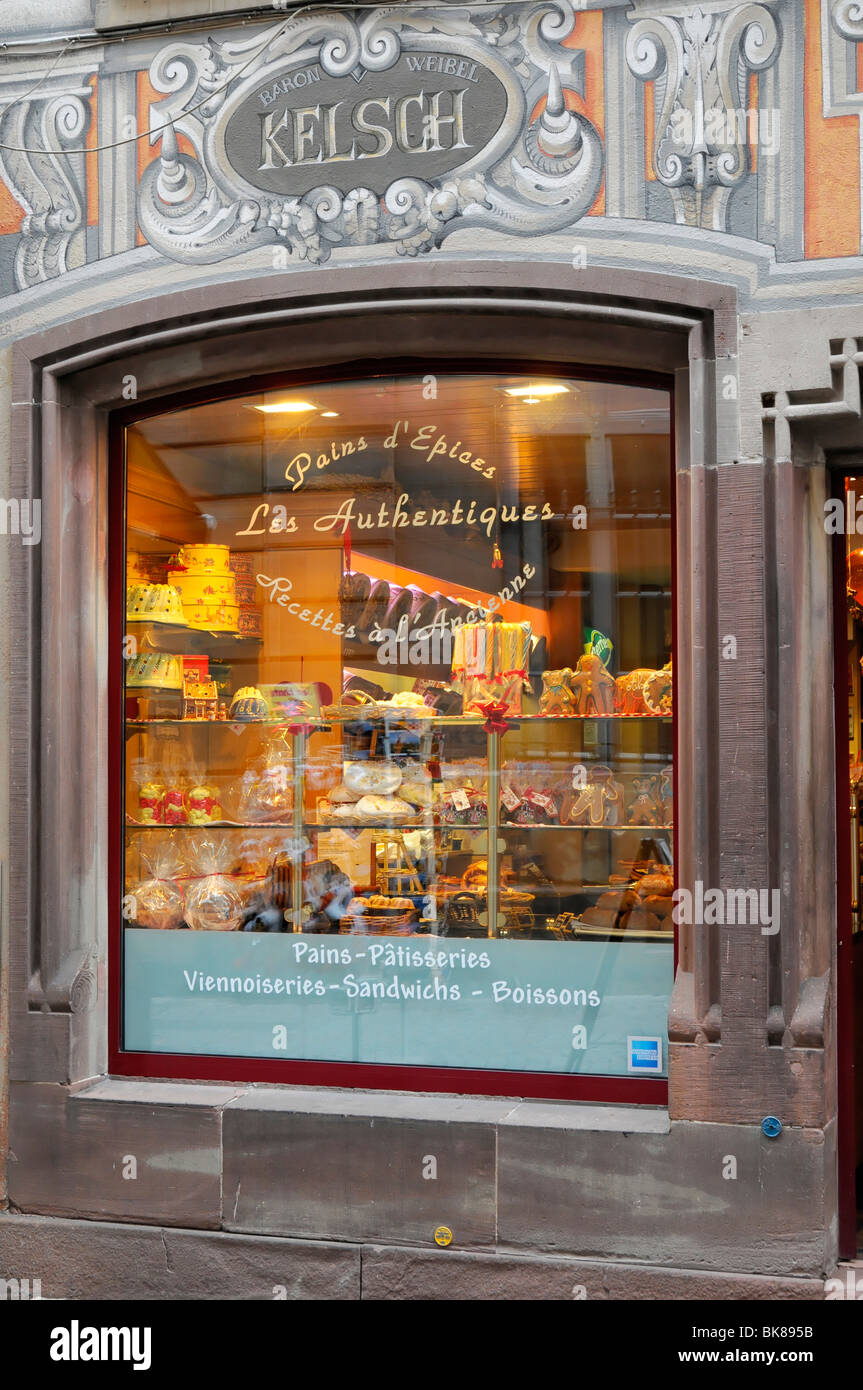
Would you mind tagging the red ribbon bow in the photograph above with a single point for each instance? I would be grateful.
(494, 723)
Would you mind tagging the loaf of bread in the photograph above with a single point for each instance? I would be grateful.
(382, 808)
(598, 917)
(617, 901)
(655, 884)
(379, 778)
(660, 906)
(639, 920)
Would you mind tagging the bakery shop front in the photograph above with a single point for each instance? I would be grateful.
(417, 817)
(398, 731)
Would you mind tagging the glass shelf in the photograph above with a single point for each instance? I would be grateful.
(444, 720)
(385, 825)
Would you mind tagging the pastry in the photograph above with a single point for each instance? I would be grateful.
(156, 670)
(159, 905)
(599, 802)
(476, 876)
(155, 603)
(656, 691)
(418, 793)
(598, 917)
(638, 920)
(617, 901)
(342, 795)
(249, 704)
(660, 906)
(380, 778)
(214, 903)
(378, 902)
(382, 808)
(645, 808)
(593, 687)
(557, 700)
(629, 697)
(658, 883)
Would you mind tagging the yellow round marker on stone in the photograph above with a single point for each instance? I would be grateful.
(443, 1235)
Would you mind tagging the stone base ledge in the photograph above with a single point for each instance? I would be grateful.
(107, 1261)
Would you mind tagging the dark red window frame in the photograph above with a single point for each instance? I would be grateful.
(356, 1075)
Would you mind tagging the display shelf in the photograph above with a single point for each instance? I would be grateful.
(620, 829)
(387, 825)
(214, 825)
(618, 934)
(423, 722)
(299, 829)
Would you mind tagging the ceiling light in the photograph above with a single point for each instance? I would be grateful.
(329, 414)
(535, 392)
(530, 400)
(285, 408)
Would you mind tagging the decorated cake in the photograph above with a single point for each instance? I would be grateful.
(155, 603)
(249, 703)
(206, 583)
(157, 670)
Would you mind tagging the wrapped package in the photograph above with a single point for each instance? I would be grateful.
(264, 793)
(489, 664)
(159, 902)
(214, 900)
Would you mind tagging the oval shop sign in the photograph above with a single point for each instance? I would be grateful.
(299, 128)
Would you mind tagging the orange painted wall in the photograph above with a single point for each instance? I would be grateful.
(832, 218)
(398, 574)
(587, 34)
(148, 96)
(92, 158)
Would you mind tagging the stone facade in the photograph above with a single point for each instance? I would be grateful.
(670, 185)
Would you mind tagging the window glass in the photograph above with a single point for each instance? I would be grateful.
(398, 725)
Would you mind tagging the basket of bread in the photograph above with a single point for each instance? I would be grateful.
(380, 915)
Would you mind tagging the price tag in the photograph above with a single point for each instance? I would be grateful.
(460, 800)
(509, 799)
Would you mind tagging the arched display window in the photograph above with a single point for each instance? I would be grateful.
(392, 673)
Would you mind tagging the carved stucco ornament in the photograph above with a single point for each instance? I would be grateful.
(531, 176)
(41, 162)
(847, 18)
(701, 64)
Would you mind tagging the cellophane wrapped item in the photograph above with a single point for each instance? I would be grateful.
(159, 902)
(214, 900)
(489, 664)
(264, 793)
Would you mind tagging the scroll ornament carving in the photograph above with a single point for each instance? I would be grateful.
(538, 176)
(847, 19)
(47, 181)
(701, 64)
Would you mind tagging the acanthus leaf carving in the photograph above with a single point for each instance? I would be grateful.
(49, 183)
(700, 63)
